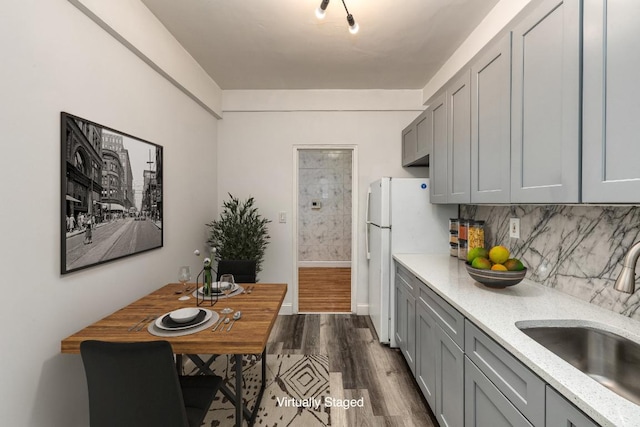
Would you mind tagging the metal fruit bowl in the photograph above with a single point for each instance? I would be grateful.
(495, 279)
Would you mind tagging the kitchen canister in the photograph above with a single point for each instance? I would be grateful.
(476, 235)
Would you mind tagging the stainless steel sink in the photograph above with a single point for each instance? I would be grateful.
(608, 358)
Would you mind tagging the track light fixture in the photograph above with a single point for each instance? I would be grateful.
(322, 10)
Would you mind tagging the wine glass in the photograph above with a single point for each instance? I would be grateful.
(184, 275)
(226, 280)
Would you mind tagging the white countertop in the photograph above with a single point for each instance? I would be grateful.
(496, 311)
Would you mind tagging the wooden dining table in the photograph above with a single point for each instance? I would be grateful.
(249, 335)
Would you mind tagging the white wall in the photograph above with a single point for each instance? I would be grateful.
(56, 59)
(256, 145)
(503, 12)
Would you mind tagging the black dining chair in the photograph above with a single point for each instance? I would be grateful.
(244, 271)
(136, 384)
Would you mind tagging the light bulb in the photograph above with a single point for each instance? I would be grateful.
(320, 13)
(353, 25)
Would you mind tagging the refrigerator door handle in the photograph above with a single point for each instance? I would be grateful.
(367, 224)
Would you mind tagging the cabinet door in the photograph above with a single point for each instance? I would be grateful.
(400, 315)
(491, 124)
(426, 354)
(410, 339)
(560, 412)
(545, 144)
(459, 140)
(437, 116)
(449, 381)
(610, 146)
(409, 145)
(423, 130)
(485, 405)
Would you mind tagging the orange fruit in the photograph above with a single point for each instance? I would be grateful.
(498, 267)
(514, 264)
(498, 254)
(481, 263)
(477, 252)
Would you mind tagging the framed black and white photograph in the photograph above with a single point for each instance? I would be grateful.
(111, 194)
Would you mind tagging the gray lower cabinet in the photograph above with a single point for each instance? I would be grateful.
(449, 409)
(491, 124)
(545, 126)
(521, 387)
(426, 353)
(439, 356)
(467, 378)
(610, 145)
(559, 412)
(459, 139)
(485, 405)
(437, 117)
(405, 317)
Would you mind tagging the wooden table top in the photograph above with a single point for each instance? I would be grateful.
(249, 335)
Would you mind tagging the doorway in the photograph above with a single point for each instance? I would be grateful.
(325, 215)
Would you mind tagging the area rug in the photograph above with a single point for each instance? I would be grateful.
(290, 380)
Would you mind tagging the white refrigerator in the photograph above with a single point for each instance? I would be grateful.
(400, 219)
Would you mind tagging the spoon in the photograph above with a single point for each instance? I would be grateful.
(236, 316)
(226, 321)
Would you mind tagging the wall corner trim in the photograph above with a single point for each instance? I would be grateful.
(188, 76)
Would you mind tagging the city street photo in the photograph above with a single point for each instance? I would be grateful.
(111, 194)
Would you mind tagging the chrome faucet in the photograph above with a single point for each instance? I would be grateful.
(626, 281)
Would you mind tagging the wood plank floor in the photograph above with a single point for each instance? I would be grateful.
(324, 290)
(359, 366)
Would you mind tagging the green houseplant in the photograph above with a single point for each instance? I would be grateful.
(240, 233)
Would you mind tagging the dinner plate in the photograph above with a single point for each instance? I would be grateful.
(214, 288)
(164, 322)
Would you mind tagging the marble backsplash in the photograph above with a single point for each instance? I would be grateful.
(578, 250)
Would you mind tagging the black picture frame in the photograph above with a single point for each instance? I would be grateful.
(111, 185)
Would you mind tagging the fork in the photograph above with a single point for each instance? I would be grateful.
(146, 322)
(134, 327)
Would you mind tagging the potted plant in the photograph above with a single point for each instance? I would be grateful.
(240, 233)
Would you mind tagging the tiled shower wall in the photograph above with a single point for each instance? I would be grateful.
(578, 250)
(324, 234)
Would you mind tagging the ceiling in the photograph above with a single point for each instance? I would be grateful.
(280, 44)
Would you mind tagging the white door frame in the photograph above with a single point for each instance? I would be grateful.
(354, 218)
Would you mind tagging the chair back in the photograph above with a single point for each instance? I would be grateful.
(132, 384)
(244, 271)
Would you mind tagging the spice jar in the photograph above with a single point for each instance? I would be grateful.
(454, 249)
(453, 237)
(453, 224)
(476, 235)
(462, 250)
(463, 228)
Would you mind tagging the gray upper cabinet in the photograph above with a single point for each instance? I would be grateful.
(491, 124)
(545, 139)
(409, 145)
(415, 142)
(437, 117)
(459, 139)
(610, 141)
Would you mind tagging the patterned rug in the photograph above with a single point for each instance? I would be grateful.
(290, 379)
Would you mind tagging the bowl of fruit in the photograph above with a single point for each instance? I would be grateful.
(494, 267)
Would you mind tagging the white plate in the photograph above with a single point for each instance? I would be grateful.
(213, 285)
(209, 314)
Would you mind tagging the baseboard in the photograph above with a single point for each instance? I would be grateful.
(286, 309)
(362, 309)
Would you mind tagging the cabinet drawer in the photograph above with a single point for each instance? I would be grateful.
(562, 413)
(408, 279)
(521, 386)
(449, 319)
(484, 405)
